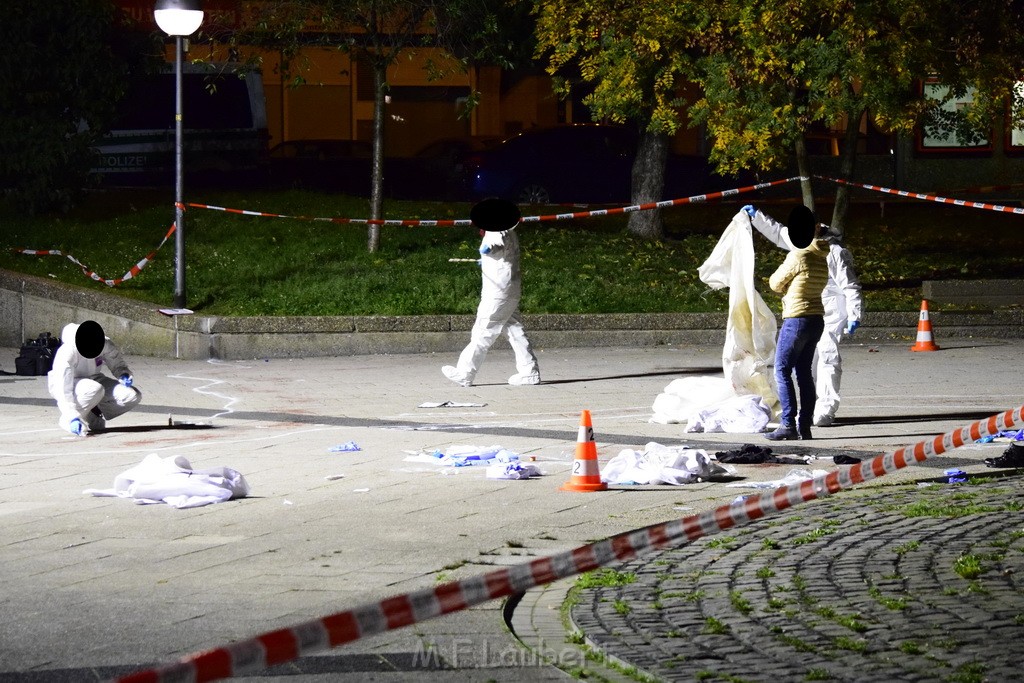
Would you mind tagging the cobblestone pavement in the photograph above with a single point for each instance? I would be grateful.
(914, 582)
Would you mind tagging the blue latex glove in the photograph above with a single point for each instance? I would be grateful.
(485, 249)
(851, 326)
(749, 208)
(77, 428)
(126, 380)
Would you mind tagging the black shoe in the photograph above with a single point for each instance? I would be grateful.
(1011, 457)
(805, 435)
(783, 433)
(97, 412)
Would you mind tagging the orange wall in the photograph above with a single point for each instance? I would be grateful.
(327, 101)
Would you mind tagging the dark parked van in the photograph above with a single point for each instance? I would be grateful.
(224, 136)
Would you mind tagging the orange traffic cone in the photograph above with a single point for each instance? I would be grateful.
(585, 474)
(924, 331)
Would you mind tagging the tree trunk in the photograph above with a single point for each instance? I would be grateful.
(846, 167)
(380, 87)
(648, 185)
(803, 165)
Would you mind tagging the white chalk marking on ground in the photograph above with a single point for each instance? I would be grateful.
(236, 364)
(230, 400)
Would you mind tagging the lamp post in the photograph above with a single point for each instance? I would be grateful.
(178, 18)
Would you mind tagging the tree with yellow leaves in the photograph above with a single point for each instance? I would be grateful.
(766, 71)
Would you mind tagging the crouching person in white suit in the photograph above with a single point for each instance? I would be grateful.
(86, 397)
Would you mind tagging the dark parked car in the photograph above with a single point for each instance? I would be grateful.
(327, 165)
(437, 171)
(578, 163)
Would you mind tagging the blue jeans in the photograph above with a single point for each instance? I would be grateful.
(795, 354)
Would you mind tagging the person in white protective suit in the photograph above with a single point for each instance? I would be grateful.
(498, 312)
(844, 306)
(86, 397)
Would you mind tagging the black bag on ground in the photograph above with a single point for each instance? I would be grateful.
(36, 357)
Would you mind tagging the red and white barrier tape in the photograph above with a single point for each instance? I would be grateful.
(696, 199)
(278, 647)
(928, 197)
(361, 221)
(132, 272)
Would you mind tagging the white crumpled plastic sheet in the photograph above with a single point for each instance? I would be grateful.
(173, 481)
(659, 464)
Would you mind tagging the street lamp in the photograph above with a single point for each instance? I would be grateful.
(178, 18)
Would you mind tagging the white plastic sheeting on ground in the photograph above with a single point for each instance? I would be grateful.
(709, 404)
(172, 480)
(659, 464)
(794, 476)
(731, 403)
(740, 414)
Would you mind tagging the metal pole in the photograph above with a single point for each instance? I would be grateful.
(179, 185)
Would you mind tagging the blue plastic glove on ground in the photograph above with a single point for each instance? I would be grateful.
(749, 208)
(77, 428)
(852, 326)
(126, 380)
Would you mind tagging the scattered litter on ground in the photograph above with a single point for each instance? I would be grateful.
(334, 477)
(749, 454)
(288, 502)
(845, 459)
(345, 447)
(173, 481)
(500, 462)
(464, 456)
(955, 476)
(450, 404)
(1013, 436)
(512, 470)
(360, 490)
(794, 476)
(658, 464)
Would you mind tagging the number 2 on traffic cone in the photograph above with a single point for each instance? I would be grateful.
(585, 473)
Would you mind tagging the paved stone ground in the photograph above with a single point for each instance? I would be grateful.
(98, 587)
(859, 587)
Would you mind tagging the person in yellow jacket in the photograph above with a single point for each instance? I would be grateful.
(844, 309)
(800, 279)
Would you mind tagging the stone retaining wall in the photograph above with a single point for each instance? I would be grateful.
(31, 305)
